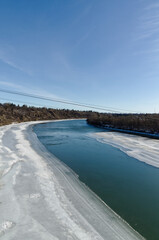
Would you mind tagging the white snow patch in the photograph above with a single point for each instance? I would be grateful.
(5, 226)
(142, 148)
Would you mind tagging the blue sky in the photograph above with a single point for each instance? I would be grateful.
(89, 51)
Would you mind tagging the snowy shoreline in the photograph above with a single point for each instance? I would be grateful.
(144, 149)
(42, 198)
(133, 132)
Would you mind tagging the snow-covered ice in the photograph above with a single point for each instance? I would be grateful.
(142, 148)
(42, 199)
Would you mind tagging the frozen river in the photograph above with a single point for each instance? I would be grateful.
(41, 198)
(113, 166)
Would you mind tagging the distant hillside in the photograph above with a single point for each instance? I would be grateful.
(10, 113)
(147, 123)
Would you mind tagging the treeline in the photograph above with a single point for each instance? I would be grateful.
(10, 113)
(148, 123)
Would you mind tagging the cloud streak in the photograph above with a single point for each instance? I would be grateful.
(5, 57)
(152, 6)
(18, 87)
(148, 32)
(149, 22)
(11, 64)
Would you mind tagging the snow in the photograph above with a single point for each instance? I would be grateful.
(142, 148)
(41, 198)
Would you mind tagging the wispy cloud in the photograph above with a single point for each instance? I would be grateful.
(152, 6)
(10, 84)
(148, 31)
(11, 64)
(17, 87)
(84, 13)
(149, 22)
(84, 37)
(10, 61)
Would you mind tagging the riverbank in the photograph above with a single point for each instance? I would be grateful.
(138, 124)
(133, 132)
(41, 198)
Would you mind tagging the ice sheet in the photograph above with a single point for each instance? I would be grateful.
(142, 148)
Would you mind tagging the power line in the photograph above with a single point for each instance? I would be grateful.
(108, 109)
(23, 102)
(57, 100)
